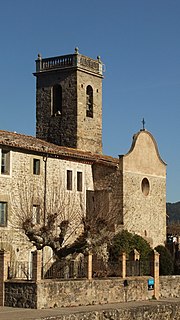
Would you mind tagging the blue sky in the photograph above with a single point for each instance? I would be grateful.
(139, 43)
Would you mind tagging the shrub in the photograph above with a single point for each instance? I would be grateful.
(165, 261)
(126, 242)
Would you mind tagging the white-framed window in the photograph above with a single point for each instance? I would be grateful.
(3, 213)
(5, 162)
(36, 214)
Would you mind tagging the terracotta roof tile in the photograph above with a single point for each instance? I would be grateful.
(32, 144)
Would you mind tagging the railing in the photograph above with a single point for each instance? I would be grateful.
(71, 269)
(20, 270)
(138, 268)
(103, 269)
(66, 61)
(89, 63)
(57, 62)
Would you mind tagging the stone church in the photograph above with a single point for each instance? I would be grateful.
(64, 167)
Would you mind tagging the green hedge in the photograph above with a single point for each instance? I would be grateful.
(165, 261)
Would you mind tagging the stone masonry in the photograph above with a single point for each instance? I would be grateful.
(144, 189)
(70, 127)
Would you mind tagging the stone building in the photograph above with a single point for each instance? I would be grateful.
(69, 101)
(63, 168)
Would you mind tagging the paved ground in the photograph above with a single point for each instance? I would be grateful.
(7, 313)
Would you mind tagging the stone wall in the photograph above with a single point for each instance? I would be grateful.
(169, 286)
(20, 294)
(163, 311)
(110, 178)
(61, 129)
(52, 293)
(89, 129)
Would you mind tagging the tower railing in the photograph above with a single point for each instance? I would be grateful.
(57, 62)
(69, 61)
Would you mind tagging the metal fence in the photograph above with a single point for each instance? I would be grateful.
(77, 268)
(103, 269)
(20, 270)
(66, 269)
(73, 269)
(138, 268)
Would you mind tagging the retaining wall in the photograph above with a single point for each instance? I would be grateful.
(50, 293)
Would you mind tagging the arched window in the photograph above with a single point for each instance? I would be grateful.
(57, 100)
(145, 186)
(89, 102)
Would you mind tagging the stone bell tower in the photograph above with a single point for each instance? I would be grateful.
(69, 101)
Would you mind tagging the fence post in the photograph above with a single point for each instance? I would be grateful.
(123, 261)
(155, 272)
(37, 265)
(89, 266)
(4, 259)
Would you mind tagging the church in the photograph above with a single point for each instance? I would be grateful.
(63, 168)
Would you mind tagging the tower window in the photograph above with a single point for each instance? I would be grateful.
(36, 166)
(89, 102)
(57, 100)
(79, 181)
(69, 179)
(3, 214)
(5, 162)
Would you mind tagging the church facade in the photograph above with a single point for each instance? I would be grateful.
(63, 167)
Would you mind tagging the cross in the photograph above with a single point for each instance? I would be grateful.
(143, 122)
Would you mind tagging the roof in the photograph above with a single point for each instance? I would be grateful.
(135, 138)
(31, 144)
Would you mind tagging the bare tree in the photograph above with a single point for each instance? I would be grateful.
(66, 226)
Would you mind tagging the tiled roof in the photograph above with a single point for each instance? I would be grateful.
(32, 144)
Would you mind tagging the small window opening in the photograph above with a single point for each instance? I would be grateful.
(69, 179)
(36, 166)
(3, 214)
(89, 101)
(79, 181)
(145, 186)
(5, 162)
(57, 100)
(36, 214)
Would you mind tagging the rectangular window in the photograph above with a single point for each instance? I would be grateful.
(36, 166)
(79, 181)
(69, 179)
(36, 214)
(5, 161)
(3, 214)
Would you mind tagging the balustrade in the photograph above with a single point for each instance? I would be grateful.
(66, 61)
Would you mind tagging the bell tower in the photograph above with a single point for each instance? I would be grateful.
(69, 101)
